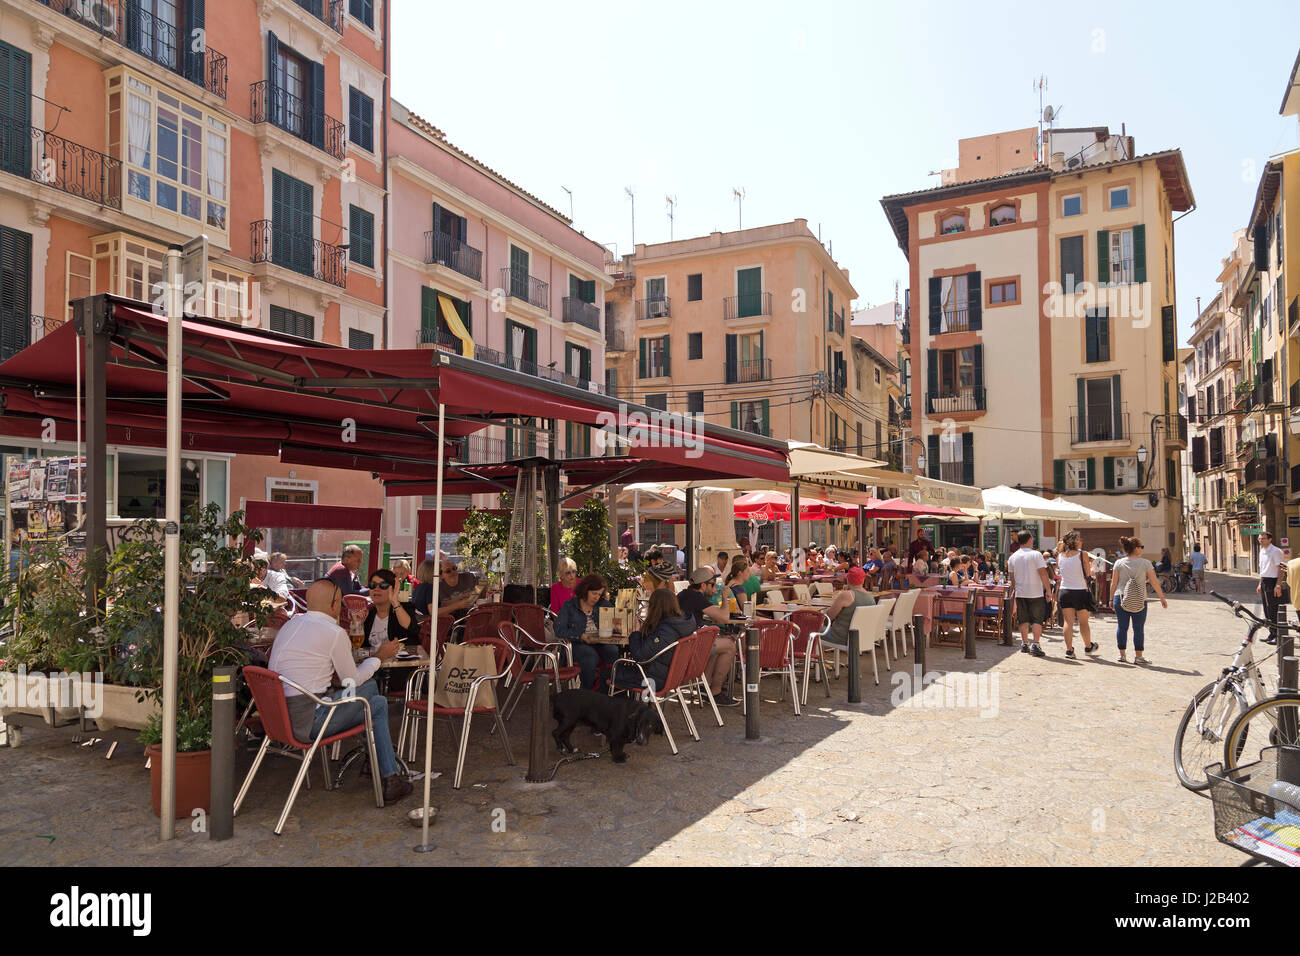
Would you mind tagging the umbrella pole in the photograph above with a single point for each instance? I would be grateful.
(425, 846)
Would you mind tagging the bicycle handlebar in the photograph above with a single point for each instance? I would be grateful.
(1239, 610)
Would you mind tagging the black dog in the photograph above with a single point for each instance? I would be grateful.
(622, 720)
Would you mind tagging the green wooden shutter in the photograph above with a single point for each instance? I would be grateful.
(1058, 474)
(749, 292)
(735, 415)
(15, 290)
(587, 291)
(1090, 336)
(192, 59)
(15, 105)
(766, 429)
(641, 359)
(1081, 432)
(732, 361)
(1108, 472)
(273, 105)
(936, 293)
(978, 356)
(318, 105)
(668, 356)
(974, 301)
(968, 458)
(1103, 335)
(1169, 334)
(1103, 256)
(575, 287)
(932, 455)
(1171, 478)
(1117, 408)
(1092, 474)
(931, 376)
(1139, 253)
(428, 314)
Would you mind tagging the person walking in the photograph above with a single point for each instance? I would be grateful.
(1032, 588)
(1130, 576)
(1075, 598)
(1198, 568)
(1270, 587)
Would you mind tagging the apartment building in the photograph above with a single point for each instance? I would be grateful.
(1043, 332)
(879, 359)
(745, 328)
(125, 127)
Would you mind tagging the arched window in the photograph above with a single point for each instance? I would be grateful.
(1002, 215)
(953, 223)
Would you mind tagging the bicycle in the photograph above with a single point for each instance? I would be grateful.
(1215, 708)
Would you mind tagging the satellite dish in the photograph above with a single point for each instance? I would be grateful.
(1048, 113)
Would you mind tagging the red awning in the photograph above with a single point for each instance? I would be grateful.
(898, 509)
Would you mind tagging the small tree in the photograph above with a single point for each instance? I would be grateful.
(585, 537)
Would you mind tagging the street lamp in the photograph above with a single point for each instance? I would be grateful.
(1294, 422)
(1142, 460)
(920, 463)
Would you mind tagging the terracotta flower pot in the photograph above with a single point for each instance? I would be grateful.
(193, 781)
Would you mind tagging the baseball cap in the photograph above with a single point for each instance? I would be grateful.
(856, 576)
(700, 575)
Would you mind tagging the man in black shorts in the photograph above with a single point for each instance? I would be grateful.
(1032, 588)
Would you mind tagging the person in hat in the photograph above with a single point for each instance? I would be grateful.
(658, 577)
(696, 602)
(847, 600)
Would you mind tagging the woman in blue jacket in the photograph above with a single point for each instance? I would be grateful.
(664, 625)
(580, 616)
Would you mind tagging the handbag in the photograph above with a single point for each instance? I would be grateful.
(1134, 598)
(460, 665)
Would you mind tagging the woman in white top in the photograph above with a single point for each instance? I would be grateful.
(1075, 565)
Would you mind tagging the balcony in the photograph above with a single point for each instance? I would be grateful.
(1176, 430)
(270, 104)
(518, 284)
(328, 12)
(438, 338)
(530, 367)
(759, 370)
(1228, 354)
(38, 326)
(1122, 272)
(1094, 427)
(477, 450)
(301, 254)
(59, 163)
(154, 38)
(615, 341)
(747, 305)
(953, 320)
(441, 249)
(660, 307)
(1263, 473)
(581, 313)
(955, 400)
(837, 324)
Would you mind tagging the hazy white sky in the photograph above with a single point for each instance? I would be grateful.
(819, 108)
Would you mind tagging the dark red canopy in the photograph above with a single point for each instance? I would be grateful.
(260, 392)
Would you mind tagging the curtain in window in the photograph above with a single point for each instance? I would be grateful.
(517, 345)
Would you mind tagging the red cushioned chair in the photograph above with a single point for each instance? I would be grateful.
(809, 626)
(267, 688)
(776, 656)
(482, 621)
(683, 656)
(694, 679)
(529, 661)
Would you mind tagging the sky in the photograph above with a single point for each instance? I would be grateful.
(817, 109)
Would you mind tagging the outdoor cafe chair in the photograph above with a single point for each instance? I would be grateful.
(948, 619)
(809, 629)
(870, 623)
(990, 606)
(482, 621)
(823, 588)
(679, 665)
(801, 593)
(353, 604)
(267, 688)
(416, 711)
(528, 663)
(531, 619)
(900, 624)
(776, 657)
(694, 679)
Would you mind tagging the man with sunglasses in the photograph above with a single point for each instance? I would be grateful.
(458, 590)
(389, 619)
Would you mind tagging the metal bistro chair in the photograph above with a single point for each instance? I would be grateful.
(267, 688)
(694, 679)
(776, 657)
(683, 652)
(528, 663)
(482, 621)
(353, 605)
(802, 593)
(810, 627)
(823, 589)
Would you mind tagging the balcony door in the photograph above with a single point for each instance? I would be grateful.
(15, 110)
(15, 291)
(749, 292)
(519, 266)
(291, 223)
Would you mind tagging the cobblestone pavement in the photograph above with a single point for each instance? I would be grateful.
(1075, 767)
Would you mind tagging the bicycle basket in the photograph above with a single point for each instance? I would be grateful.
(1247, 818)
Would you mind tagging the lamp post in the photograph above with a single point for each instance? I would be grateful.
(1142, 460)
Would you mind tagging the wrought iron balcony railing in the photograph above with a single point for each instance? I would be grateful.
(60, 163)
(444, 250)
(747, 305)
(301, 254)
(518, 284)
(329, 12)
(530, 367)
(271, 104)
(659, 307)
(439, 337)
(1102, 426)
(955, 400)
(583, 313)
(16, 335)
(758, 370)
(954, 320)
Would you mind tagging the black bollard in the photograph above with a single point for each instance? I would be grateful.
(968, 624)
(1007, 603)
(539, 767)
(855, 667)
(221, 822)
(919, 638)
(752, 669)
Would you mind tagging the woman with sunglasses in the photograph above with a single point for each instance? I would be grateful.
(388, 619)
(562, 589)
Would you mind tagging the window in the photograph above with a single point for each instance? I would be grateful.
(1071, 262)
(695, 403)
(695, 287)
(363, 10)
(1072, 205)
(176, 155)
(1096, 334)
(657, 400)
(1002, 215)
(577, 364)
(749, 292)
(291, 223)
(877, 376)
(1100, 415)
(750, 416)
(79, 282)
(1004, 292)
(16, 281)
(951, 456)
(291, 81)
(654, 358)
(1119, 198)
(361, 119)
(655, 289)
(292, 323)
(521, 347)
(358, 339)
(1076, 474)
(228, 294)
(433, 321)
(1126, 473)
(1121, 256)
(519, 273)
(577, 440)
(695, 345)
(361, 237)
(611, 381)
(954, 223)
(954, 298)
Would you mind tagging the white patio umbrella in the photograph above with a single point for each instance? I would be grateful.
(1007, 502)
(1092, 516)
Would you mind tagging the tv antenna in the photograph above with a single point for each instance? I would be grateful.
(570, 192)
(1040, 84)
(740, 206)
(672, 208)
(632, 196)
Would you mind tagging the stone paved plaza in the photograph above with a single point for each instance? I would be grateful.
(1074, 768)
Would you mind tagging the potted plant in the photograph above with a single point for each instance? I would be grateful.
(214, 593)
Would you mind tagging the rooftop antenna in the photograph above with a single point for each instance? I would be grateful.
(1040, 84)
(632, 196)
(570, 192)
(672, 208)
(740, 206)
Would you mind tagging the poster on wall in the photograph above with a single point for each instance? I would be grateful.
(36, 521)
(36, 481)
(18, 482)
(56, 479)
(76, 480)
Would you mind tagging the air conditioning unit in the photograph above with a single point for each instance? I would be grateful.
(96, 13)
(657, 308)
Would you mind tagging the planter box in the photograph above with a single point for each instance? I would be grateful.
(24, 687)
(121, 709)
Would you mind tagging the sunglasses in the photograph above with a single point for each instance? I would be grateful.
(379, 585)
(449, 570)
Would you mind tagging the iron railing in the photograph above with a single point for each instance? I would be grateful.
(329, 12)
(1099, 427)
(1176, 428)
(444, 250)
(954, 320)
(45, 158)
(530, 367)
(439, 337)
(518, 284)
(271, 104)
(955, 400)
(16, 335)
(300, 253)
(1263, 471)
(582, 313)
(659, 307)
(758, 370)
(749, 304)
(477, 450)
(615, 341)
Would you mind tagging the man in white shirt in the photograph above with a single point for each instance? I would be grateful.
(310, 650)
(1031, 588)
(1270, 588)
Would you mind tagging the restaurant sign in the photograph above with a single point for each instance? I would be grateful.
(945, 494)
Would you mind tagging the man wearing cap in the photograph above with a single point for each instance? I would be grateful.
(846, 602)
(697, 601)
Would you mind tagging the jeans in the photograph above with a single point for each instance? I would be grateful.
(351, 714)
(593, 659)
(1121, 631)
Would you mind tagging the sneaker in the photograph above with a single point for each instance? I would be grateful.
(1070, 654)
(1024, 648)
(1037, 651)
(723, 699)
(1093, 648)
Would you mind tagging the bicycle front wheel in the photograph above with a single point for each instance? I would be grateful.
(1270, 723)
(1198, 741)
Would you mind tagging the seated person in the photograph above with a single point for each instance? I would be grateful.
(920, 569)
(723, 562)
(697, 602)
(562, 589)
(309, 650)
(813, 558)
(958, 573)
(279, 580)
(889, 570)
(658, 577)
(872, 567)
(738, 578)
(770, 569)
(579, 618)
(388, 619)
(834, 561)
(422, 595)
(783, 561)
(344, 573)
(847, 599)
(457, 592)
(664, 625)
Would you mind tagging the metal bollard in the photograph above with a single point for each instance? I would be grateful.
(539, 768)
(919, 637)
(752, 670)
(855, 667)
(221, 822)
(968, 625)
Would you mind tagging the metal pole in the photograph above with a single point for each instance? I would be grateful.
(540, 700)
(425, 846)
(93, 317)
(172, 542)
(855, 666)
(794, 519)
(636, 517)
(752, 670)
(613, 492)
(919, 638)
(692, 541)
(968, 624)
(221, 822)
